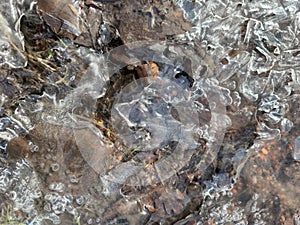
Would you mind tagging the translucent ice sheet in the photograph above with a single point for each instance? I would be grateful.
(11, 41)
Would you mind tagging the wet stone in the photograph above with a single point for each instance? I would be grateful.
(17, 148)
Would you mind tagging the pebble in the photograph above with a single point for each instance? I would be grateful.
(17, 148)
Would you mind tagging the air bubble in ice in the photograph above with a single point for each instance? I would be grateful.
(286, 125)
(80, 200)
(54, 167)
(90, 221)
(33, 147)
(47, 207)
(58, 207)
(57, 187)
(4, 48)
(12, 195)
(53, 217)
(73, 179)
(297, 148)
(236, 98)
(252, 87)
(273, 107)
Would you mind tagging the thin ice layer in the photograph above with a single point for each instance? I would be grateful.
(11, 41)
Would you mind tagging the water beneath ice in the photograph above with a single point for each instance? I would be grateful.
(211, 136)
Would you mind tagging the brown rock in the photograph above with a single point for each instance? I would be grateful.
(60, 15)
(138, 20)
(17, 148)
